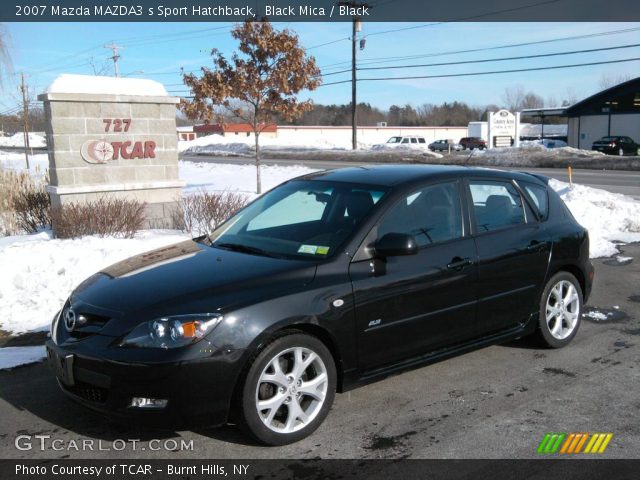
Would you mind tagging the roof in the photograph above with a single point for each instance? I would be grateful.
(394, 175)
(544, 112)
(630, 86)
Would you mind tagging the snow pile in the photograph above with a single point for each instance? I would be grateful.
(236, 178)
(13, 356)
(245, 146)
(38, 164)
(609, 217)
(95, 84)
(38, 272)
(530, 151)
(17, 140)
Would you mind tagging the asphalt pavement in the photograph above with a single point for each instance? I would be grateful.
(616, 181)
(497, 402)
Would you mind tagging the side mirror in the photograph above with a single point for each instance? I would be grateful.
(395, 244)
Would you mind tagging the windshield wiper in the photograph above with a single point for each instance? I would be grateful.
(237, 247)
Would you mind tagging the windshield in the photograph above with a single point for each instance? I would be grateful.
(394, 140)
(300, 219)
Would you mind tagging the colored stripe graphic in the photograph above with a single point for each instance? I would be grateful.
(573, 443)
(551, 442)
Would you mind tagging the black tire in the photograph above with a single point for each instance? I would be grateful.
(544, 331)
(251, 420)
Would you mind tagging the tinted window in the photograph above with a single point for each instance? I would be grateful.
(540, 198)
(421, 140)
(299, 219)
(431, 215)
(414, 140)
(405, 140)
(496, 205)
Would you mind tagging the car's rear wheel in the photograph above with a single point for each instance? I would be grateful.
(560, 310)
(288, 389)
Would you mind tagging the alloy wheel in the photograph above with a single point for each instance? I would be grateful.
(291, 390)
(562, 309)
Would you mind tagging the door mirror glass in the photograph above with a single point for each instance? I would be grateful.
(395, 244)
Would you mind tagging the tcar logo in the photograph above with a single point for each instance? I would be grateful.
(573, 443)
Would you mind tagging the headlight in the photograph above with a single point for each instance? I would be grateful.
(172, 332)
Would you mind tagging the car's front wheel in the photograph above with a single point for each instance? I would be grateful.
(560, 310)
(288, 390)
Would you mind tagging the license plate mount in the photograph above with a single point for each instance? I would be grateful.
(62, 365)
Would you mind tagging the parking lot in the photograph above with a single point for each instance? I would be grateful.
(493, 403)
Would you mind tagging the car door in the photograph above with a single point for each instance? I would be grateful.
(409, 305)
(513, 252)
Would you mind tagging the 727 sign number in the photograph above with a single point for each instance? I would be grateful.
(116, 124)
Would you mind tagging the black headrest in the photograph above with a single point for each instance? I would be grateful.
(359, 204)
(498, 202)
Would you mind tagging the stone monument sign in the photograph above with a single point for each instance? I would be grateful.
(116, 137)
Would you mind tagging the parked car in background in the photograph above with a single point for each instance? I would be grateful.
(404, 141)
(445, 146)
(616, 145)
(472, 143)
(327, 282)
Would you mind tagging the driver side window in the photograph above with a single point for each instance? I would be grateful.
(432, 215)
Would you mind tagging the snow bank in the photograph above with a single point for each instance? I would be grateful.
(238, 145)
(529, 151)
(17, 140)
(38, 164)
(94, 84)
(38, 272)
(13, 356)
(609, 217)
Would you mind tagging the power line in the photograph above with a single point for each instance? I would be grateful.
(522, 57)
(377, 60)
(532, 69)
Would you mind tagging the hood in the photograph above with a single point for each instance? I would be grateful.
(187, 277)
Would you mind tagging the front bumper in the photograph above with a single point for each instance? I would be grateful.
(199, 391)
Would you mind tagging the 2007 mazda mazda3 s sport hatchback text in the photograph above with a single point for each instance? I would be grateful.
(327, 282)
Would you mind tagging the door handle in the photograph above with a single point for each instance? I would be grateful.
(458, 263)
(536, 246)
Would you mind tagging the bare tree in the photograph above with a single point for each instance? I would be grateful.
(608, 80)
(5, 59)
(257, 85)
(513, 97)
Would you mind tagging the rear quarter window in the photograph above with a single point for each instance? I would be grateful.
(540, 198)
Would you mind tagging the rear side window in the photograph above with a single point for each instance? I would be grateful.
(540, 198)
(496, 205)
(421, 140)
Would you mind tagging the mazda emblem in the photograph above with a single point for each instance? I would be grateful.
(69, 320)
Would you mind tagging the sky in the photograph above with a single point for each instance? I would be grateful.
(159, 50)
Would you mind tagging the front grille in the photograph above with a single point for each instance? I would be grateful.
(88, 392)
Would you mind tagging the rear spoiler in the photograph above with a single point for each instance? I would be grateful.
(544, 179)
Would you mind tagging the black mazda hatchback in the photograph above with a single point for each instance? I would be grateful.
(327, 282)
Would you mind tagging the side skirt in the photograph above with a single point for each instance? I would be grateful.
(352, 380)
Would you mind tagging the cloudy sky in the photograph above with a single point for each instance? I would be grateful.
(159, 50)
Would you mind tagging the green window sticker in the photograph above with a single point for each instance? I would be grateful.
(313, 249)
(308, 249)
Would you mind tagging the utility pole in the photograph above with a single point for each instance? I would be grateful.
(115, 57)
(25, 119)
(356, 28)
(354, 82)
